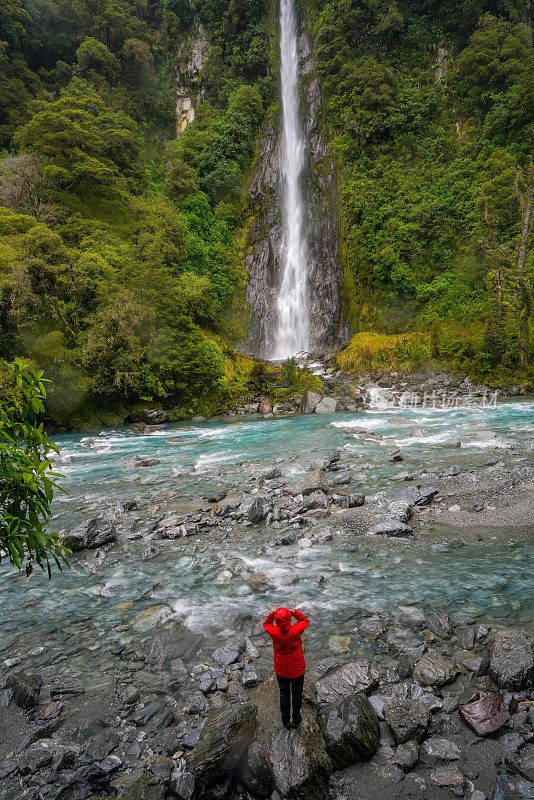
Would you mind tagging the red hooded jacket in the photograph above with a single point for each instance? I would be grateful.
(288, 656)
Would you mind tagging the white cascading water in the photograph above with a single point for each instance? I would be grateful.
(293, 314)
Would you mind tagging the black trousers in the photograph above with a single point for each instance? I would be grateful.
(290, 697)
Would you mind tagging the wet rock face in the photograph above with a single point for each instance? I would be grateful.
(512, 660)
(265, 234)
(223, 743)
(298, 761)
(25, 688)
(408, 719)
(351, 731)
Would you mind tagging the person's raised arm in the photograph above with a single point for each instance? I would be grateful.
(268, 624)
(302, 621)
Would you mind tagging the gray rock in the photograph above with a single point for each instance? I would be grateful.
(328, 405)
(406, 755)
(512, 660)
(228, 655)
(87, 781)
(89, 535)
(350, 730)
(309, 402)
(182, 783)
(440, 624)
(440, 749)
(391, 527)
(314, 482)
(315, 500)
(223, 742)
(250, 677)
(251, 650)
(298, 761)
(256, 772)
(26, 689)
(254, 509)
(285, 540)
(408, 719)
(271, 474)
(150, 552)
(447, 776)
(357, 676)
(434, 670)
(206, 683)
(355, 500)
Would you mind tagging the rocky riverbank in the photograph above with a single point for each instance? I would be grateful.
(127, 696)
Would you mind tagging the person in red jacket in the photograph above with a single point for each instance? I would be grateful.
(289, 664)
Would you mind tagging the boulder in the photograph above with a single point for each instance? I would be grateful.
(256, 772)
(355, 500)
(485, 713)
(391, 527)
(406, 755)
(408, 719)
(148, 412)
(336, 684)
(228, 655)
(314, 482)
(90, 535)
(328, 405)
(265, 407)
(26, 689)
(298, 761)
(222, 745)
(434, 670)
(350, 730)
(254, 509)
(439, 749)
(440, 624)
(315, 500)
(512, 660)
(309, 402)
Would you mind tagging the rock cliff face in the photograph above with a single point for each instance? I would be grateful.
(192, 53)
(325, 275)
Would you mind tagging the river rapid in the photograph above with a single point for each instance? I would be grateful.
(80, 621)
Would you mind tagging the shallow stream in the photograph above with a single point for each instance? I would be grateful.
(202, 580)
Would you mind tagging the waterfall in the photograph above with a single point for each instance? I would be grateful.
(293, 313)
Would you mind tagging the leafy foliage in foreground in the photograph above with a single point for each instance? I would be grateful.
(27, 482)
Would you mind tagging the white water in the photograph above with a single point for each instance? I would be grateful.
(293, 324)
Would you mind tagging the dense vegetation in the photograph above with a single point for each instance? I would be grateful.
(430, 110)
(121, 267)
(118, 244)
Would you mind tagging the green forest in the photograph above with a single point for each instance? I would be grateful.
(121, 245)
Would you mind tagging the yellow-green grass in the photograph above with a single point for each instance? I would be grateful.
(368, 351)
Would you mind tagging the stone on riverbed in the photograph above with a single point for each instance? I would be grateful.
(228, 655)
(440, 749)
(315, 482)
(297, 760)
(223, 743)
(328, 405)
(408, 719)
(254, 509)
(512, 660)
(391, 527)
(434, 670)
(335, 685)
(350, 730)
(89, 535)
(309, 402)
(26, 689)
